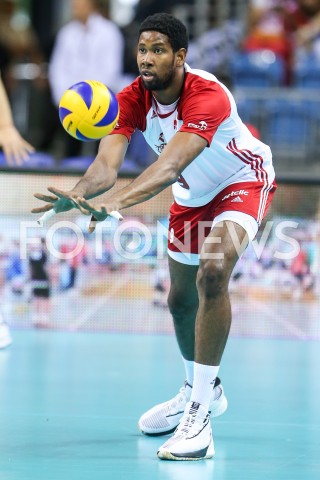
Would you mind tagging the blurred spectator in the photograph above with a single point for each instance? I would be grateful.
(303, 22)
(18, 41)
(88, 47)
(161, 284)
(40, 284)
(69, 268)
(14, 283)
(15, 148)
(21, 63)
(300, 269)
(266, 29)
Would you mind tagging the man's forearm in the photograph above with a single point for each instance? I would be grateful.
(177, 155)
(97, 180)
(151, 182)
(103, 172)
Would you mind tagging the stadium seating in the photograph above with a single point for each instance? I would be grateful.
(36, 161)
(306, 72)
(79, 164)
(40, 160)
(2, 160)
(249, 108)
(289, 127)
(257, 69)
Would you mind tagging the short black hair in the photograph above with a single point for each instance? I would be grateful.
(169, 25)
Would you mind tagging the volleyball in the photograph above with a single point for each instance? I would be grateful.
(88, 110)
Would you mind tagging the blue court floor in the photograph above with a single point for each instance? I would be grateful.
(69, 405)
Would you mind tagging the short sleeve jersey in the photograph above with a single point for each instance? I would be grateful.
(206, 108)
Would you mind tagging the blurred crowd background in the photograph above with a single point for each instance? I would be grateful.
(266, 51)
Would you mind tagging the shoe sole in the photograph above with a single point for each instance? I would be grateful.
(169, 456)
(220, 407)
(166, 455)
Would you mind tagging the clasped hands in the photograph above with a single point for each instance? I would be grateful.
(62, 201)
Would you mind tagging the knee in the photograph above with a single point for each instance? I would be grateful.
(180, 304)
(212, 279)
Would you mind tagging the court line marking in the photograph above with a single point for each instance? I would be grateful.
(91, 311)
(286, 324)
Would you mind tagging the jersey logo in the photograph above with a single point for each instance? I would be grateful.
(154, 114)
(236, 194)
(162, 144)
(237, 200)
(201, 126)
(182, 182)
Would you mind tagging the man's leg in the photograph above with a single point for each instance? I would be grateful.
(214, 314)
(192, 439)
(183, 305)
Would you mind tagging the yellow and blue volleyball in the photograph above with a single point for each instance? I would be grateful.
(88, 110)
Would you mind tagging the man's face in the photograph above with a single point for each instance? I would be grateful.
(82, 9)
(156, 60)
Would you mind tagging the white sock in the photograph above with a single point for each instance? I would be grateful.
(188, 366)
(204, 377)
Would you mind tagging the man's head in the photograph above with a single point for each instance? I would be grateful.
(169, 26)
(162, 48)
(82, 9)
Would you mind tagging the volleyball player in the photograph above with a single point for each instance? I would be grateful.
(222, 180)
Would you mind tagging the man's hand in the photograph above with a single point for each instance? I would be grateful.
(98, 212)
(87, 208)
(60, 201)
(15, 148)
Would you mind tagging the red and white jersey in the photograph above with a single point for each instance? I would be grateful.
(206, 107)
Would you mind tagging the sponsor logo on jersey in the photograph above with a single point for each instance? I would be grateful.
(235, 194)
(202, 125)
(237, 200)
(154, 114)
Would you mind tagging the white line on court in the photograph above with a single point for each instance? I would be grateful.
(285, 324)
(91, 311)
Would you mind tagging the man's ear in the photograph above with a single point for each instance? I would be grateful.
(181, 57)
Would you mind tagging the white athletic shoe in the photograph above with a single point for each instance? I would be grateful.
(165, 417)
(192, 439)
(5, 337)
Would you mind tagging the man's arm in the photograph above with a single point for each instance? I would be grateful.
(182, 149)
(102, 173)
(99, 177)
(15, 148)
